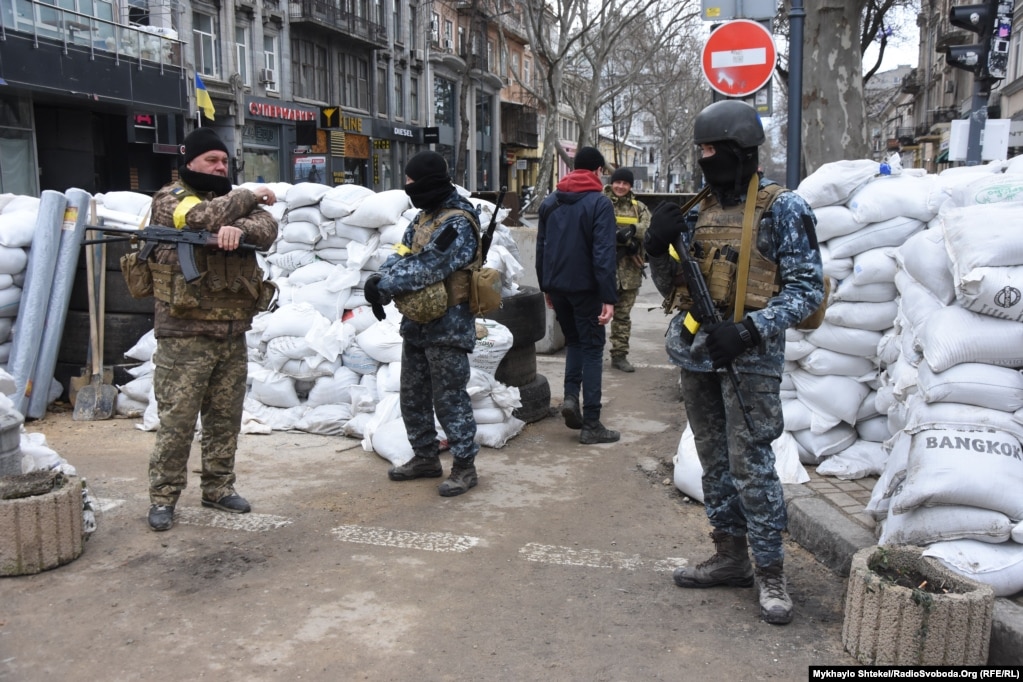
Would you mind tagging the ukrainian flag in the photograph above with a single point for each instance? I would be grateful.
(202, 98)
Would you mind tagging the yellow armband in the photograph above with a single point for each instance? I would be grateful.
(402, 250)
(182, 209)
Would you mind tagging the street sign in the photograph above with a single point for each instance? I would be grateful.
(738, 58)
(719, 10)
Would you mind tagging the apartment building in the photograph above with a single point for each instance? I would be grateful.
(99, 94)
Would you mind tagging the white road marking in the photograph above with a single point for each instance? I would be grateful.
(104, 504)
(594, 558)
(253, 523)
(748, 57)
(406, 539)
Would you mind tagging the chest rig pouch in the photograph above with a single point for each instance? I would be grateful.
(432, 301)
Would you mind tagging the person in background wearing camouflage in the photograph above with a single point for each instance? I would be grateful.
(633, 218)
(428, 280)
(575, 266)
(201, 358)
(742, 493)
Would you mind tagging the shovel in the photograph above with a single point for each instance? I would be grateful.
(95, 401)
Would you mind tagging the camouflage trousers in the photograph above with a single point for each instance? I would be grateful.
(621, 323)
(196, 376)
(741, 490)
(434, 378)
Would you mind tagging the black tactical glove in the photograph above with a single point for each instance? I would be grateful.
(376, 298)
(666, 224)
(728, 340)
(625, 234)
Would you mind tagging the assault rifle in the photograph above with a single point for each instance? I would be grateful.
(487, 237)
(186, 240)
(704, 310)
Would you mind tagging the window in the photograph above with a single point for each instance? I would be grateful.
(413, 34)
(138, 12)
(354, 82)
(204, 41)
(444, 99)
(449, 32)
(309, 70)
(382, 91)
(413, 96)
(378, 12)
(526, 76)
(241, 41)
(399, 95)
(514, 66)
(270, 61)
(435, 28)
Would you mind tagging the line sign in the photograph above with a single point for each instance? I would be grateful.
(738, 58)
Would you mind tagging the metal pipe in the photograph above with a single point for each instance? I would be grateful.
(793, 165)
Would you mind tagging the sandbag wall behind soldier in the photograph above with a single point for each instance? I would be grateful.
(742, 494)
(201, 358)
(633, 218)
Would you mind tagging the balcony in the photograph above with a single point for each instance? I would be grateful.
(519, 125)
(911, 84)
(329, 16)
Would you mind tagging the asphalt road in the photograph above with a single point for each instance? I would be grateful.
(556, 567)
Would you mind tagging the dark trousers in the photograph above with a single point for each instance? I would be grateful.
(584, 347)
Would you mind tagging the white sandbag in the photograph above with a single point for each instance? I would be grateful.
(987, 188)
(973, 383)
(875, 265)
(281, 349)
(973, 468)
(1017, 533)
(859, 460)
(355, 233)
(923, 415)
(309, 368)
(10, 301)
(128, 407)
(916, 302)
(144, 348)
(819, 446)
(837, 396)
(334, 256)
(360, 318)
(873, 430)
(392, 234)
(13, 260)
(17, 228)
(873, 316)
(275, 390)
(954, 335)
(976, 236)
(333, 390)
(381, 341)
(1000, 566)
(868, 407)
(890, 232)
(493, 341)
(18, 202)
(329, 297)
(388, 378)
(359, 255)
(836, 268)
(862, 342)
(342, 200)
(300, 232)
(316, 271)
(358, 360)
(797, 349)
(835, 221)
(291, 260)
(307, 214)
(926, 525)
(488, 415)
(326, 420)
(836, 181)
(497, 435)
(305, 194)
(384, 423)
(796, 414)
(277, 418)
(378, 210)
(134, 203)
(873, 292)
(824, 362)
(137, 389)
(907, 196)
(292, 319)
(332, 241)
(992, 291)
(892, 476)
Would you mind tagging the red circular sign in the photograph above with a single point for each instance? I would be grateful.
(738, 58)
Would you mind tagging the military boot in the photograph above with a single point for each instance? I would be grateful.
(462, 477)
(775, 602)
(571, 413)
(594, 432)
(729, 566)
(417, 467)
(622, 364)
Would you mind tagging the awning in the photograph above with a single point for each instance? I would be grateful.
(942, 157)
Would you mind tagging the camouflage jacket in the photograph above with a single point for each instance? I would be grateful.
(239, 208)
(787, 236)
(411, 272)
(630, 274)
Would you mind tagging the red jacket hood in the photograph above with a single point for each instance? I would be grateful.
(580, 181)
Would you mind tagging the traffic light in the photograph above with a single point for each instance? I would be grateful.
(992, 22)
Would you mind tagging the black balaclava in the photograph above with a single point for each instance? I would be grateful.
(729, 170)
(197, 142)
(430, 184)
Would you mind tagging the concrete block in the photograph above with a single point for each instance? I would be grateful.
(42, 531)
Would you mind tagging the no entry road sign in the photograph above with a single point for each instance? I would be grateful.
(739, 57)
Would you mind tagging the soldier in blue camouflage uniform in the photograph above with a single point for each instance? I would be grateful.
(438, 333)
(743, 495)
(201, 357)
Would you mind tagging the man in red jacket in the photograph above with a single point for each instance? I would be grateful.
(575, 266)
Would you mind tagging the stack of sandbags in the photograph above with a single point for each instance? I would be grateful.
(17, 225)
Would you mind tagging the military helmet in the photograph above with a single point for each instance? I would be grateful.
(729, 120)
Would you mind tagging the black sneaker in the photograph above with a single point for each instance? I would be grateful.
(161, 517)
(570, 411)
(462, 478)
(232, 503)
(595, 432)
(417, 467)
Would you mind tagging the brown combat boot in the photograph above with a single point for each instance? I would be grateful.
(729, 566)
(462, 478)
(775, 602)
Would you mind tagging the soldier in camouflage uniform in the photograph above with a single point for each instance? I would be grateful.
(743, 495)
(633, 218)
(201, 357)
(428, 280)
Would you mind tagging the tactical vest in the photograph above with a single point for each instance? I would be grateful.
(719, 232)
(625, 221)
(230, 285)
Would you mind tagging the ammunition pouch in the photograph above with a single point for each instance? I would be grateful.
(232, 288)
(137, 275)
(424, 305)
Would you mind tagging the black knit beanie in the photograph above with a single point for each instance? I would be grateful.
(625, 175)
(424, 164)
(588, 158)
(202, 140)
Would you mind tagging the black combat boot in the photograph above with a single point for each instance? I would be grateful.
(594, 432)
(571, 413)
(775, 602)
(729, 566)
(622, 364)
(462, 477)
(161, 516)
(417, 467)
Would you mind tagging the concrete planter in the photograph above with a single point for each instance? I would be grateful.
(41, 531)
(887, 624)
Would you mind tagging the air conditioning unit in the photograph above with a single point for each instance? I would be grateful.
(267, 76)
(417, 55)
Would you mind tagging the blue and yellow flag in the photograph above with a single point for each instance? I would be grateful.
(202, 98)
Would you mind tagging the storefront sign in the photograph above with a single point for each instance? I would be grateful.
(275, 111)
(390, 131)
